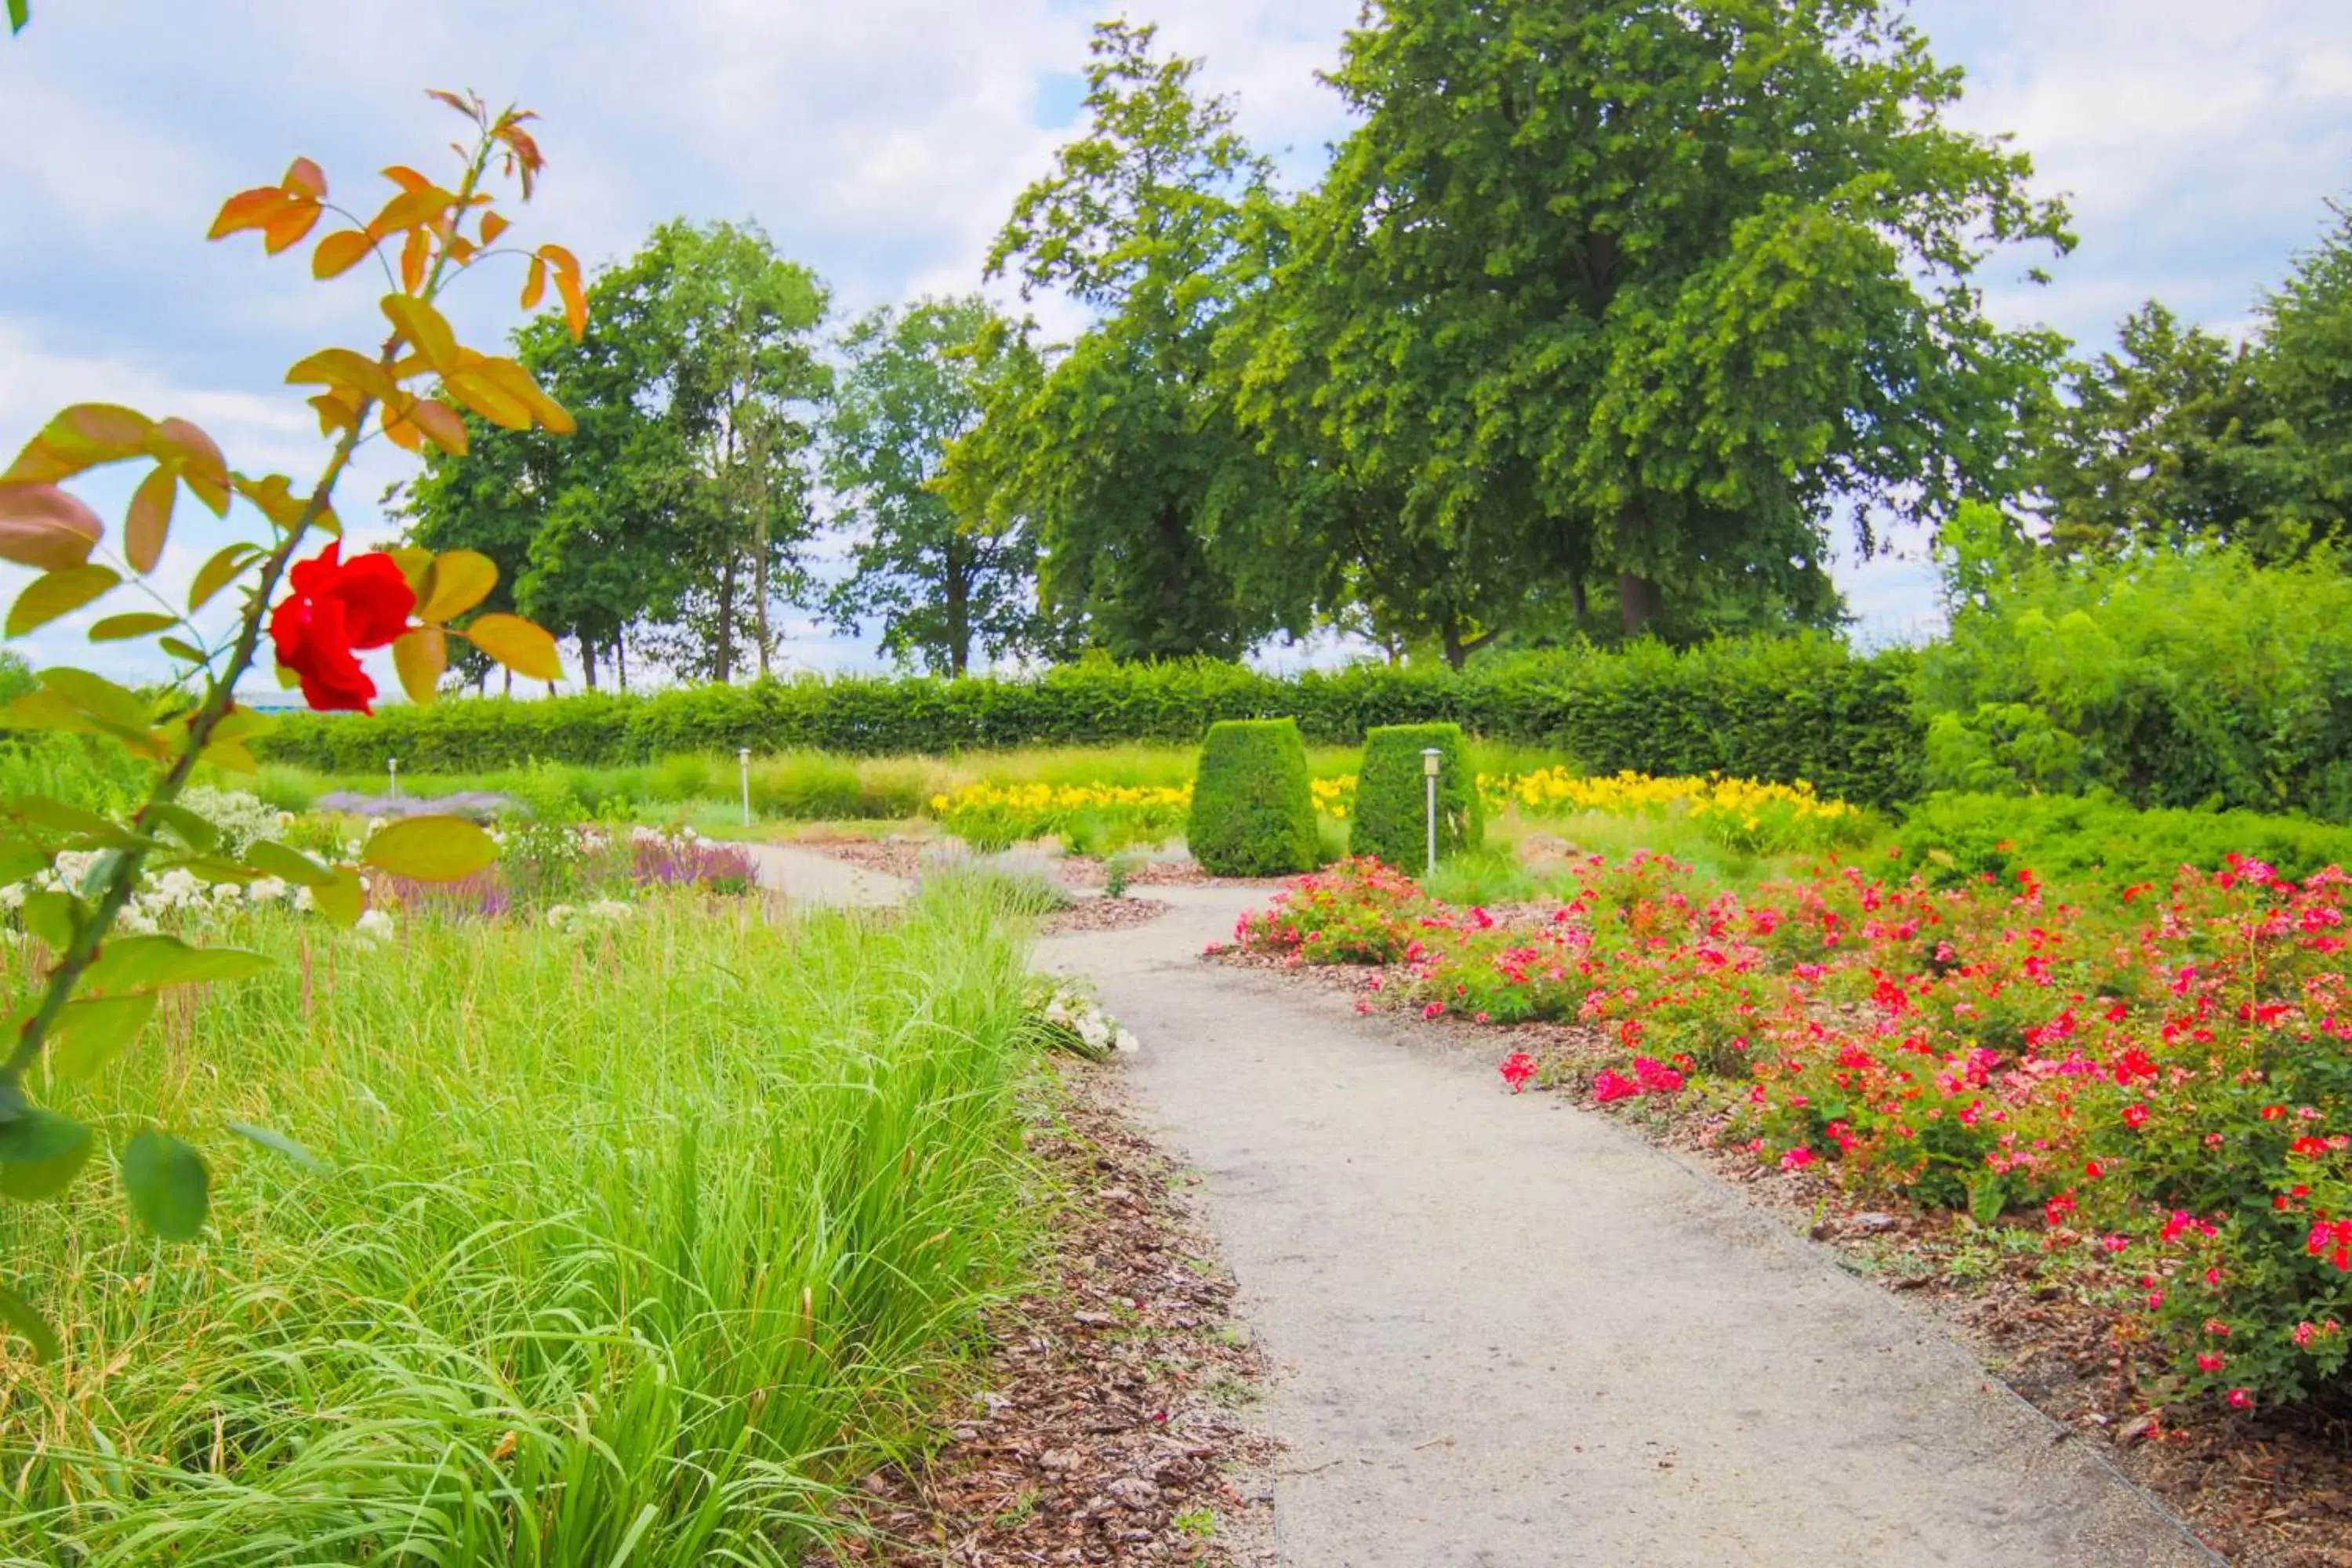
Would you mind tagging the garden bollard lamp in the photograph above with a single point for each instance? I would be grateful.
(392, 764)
(743, 762)
(1429, 759)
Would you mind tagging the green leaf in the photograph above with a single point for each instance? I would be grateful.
(185, 825)
(181, 649)
(342, 900)
(14, 1311)
(278, 1143)
(93, 1031)
(58, 817)
(220, 570)
(51, 915)
(146, 962)
(430, 848)
(100, 699)
(137, 624)
(19, 860)
(55, 594)
(19, 13)
(40, 1153)
(288, 865)
(169, 1189)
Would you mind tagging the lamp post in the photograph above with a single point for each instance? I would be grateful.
(1429, 759)
(391, 765)
(743, 767)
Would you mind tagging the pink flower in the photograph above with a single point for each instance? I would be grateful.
(1517, 1068)
(1435, 1009)
(2210, 1361)
(1656, 1078)
(2242, 1399)
(1797, 1159)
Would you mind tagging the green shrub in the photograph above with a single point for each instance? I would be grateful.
(2073, 839)
(1252, 813)
(2178, 679)
(1393, 799)
(1771, 709)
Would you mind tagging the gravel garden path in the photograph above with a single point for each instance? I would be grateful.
(1506, 1332)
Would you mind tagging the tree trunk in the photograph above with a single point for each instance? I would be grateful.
(588, 662)
(1641, 600)
(726, 649)
(958, 586)
(760, 545)
(1456, 654)
(1577, 597)
(620, 664)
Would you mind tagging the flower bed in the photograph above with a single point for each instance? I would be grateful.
(2161, 1079)
(1089, 817)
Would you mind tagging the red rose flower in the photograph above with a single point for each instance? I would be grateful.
(336, 608)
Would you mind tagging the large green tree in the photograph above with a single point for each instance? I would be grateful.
(2299, 472)
(679, 510)
(1647, 288)
(1122, 449)
(916, 382)
(2147, 445)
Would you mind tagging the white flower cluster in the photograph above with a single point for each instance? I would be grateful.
(241, 818)
(588, 917)
(1082, 1017)
(177, 898)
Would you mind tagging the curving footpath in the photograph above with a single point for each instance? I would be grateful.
(1508, 1332)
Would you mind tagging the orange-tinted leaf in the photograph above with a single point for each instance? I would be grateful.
(462, 250)
(219, 572)
(404, 432)
(414, 255)
(248, 209)
(440, 95)
(150, 518)
(107, 427)
(516, 382)
(575, 303)
(460, 579)
(424, 327)
(306, 178)
(411, 208)
(534, 284)
(415, 564)
(340, 252)
(420, 656)
(290, 227)
(338, 411)
(478, 392)
(42, 526)
(560, 258)
(441, 424)
(517, 644)
(273, 496)
(493, 226)
(341, 367)
(198, 459)
(407, 178)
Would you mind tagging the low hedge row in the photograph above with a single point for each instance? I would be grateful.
(1954, 838)
(1769, 709)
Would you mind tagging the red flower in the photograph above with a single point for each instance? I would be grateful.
(336, 608)
(2242, 1399)
(1609, 1084)
(1517, 1068)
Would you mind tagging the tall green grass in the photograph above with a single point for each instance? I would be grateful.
(631, 1246)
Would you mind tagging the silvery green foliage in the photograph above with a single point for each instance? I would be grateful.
(241, 818)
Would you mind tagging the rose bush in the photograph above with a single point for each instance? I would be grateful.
(2160, 1076)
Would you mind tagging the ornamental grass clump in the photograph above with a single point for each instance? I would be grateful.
(1252, 805)
(1391, 803)
(626, 1239)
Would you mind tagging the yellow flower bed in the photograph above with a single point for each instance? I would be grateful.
(1089, 816)
(1742, 813)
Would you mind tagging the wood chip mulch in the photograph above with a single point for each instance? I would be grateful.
(1111, 1422)
(904, 857)
(2269, 1492)
(1102, 914)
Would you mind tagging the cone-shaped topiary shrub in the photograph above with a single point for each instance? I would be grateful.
(1391, 822)
(1252, 812)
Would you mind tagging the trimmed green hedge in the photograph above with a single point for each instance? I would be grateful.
(2077, 838)
(1771, 709)
(1392, 797)
(1252, 808)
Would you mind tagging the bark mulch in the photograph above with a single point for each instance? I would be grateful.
(2270, 1491)
(1102, 914)
(1109, 1423)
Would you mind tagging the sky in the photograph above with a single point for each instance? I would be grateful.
(2198, 142)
